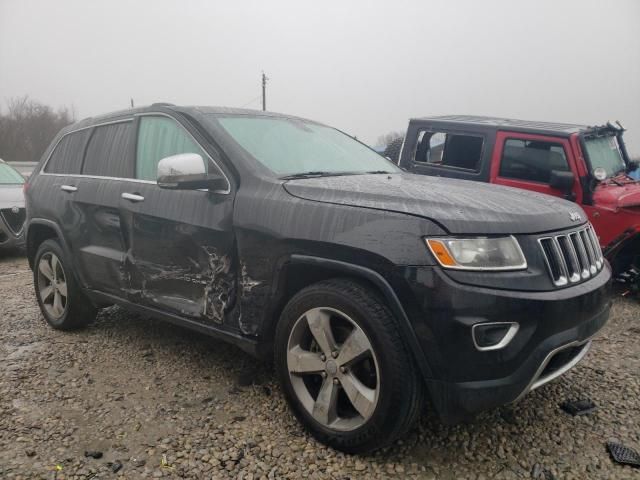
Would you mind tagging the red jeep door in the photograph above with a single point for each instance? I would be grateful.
(525, 161)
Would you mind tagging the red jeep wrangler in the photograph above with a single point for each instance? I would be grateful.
(588, 165)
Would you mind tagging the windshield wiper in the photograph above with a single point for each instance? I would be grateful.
(321, 173)
(314, 174)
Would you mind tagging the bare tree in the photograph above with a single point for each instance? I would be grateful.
(27, 128)
(387, 138)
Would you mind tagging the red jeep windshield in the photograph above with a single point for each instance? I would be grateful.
(604, 152)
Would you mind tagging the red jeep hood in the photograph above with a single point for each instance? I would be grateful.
(615, 197)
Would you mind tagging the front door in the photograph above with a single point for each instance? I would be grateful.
(180, 253)
(526, 161)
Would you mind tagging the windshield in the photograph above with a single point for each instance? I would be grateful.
(9, 176)
(290, 146)
(604, 152)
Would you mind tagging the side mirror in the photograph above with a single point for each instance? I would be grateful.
(563, 181)
(186, 171)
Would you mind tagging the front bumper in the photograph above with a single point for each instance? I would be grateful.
(555, 329)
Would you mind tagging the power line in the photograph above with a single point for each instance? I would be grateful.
(251, 101)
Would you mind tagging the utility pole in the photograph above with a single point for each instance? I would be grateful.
(264, 92)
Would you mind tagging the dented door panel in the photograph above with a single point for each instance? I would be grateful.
(180, 252)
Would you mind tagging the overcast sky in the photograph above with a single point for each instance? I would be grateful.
(365, 67)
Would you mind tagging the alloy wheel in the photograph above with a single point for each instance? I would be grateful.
(333, 369)
(52, 285)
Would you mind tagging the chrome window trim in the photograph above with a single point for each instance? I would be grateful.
(513, 329)
(122, 179)
(134, 180)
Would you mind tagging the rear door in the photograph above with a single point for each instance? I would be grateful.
(526, 161)
(97, 239)
(180, 244)
(55, 187)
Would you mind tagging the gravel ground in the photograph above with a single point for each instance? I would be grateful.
(165, 402)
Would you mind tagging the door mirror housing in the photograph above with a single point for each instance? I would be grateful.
(186, 171)
(562, 180)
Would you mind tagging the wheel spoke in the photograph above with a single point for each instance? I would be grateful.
(57, 304)
(354, 347)
(45, 293)
(45, 269)
(320, 326)
(54, 266)
(62, 288)
(361, 397)
(302, 361)
(325, 406)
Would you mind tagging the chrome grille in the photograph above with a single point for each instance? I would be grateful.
(13, 220)
(572, 257)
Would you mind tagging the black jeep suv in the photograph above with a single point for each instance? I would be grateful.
(369, 287)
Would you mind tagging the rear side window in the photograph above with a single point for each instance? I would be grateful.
(161, 137)
(109, 151)
(532, 160)
(449, 150)
(67, 156)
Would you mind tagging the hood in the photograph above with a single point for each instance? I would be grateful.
(459, 206)
(614, 196)
(11, 196)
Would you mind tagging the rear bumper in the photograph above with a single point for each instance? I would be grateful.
(554, 334)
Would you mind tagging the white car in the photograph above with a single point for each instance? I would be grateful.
(12, 208)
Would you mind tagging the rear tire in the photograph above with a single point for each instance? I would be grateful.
(63, 305)
(345, 370)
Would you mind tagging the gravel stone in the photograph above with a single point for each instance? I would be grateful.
(181, 405)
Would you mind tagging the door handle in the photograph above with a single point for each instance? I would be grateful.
(68, 188)
(132, 197)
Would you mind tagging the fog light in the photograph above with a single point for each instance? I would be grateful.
(493, 335)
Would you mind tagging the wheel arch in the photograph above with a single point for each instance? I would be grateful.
(38, 231)
(307, 270)
(625, 245)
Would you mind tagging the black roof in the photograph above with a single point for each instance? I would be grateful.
(160, 107)
(507, 124)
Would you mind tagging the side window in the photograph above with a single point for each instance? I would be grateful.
(109, 151)
(160, 137)
(532, 160)
(449, 150)
(67, 156)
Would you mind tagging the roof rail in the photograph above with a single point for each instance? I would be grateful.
(162, 104)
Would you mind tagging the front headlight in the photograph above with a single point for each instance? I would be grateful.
(501, 253)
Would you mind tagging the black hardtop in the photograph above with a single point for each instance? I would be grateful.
(473, 122)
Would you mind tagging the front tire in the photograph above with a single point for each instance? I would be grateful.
(61, 301)
(345, 370)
